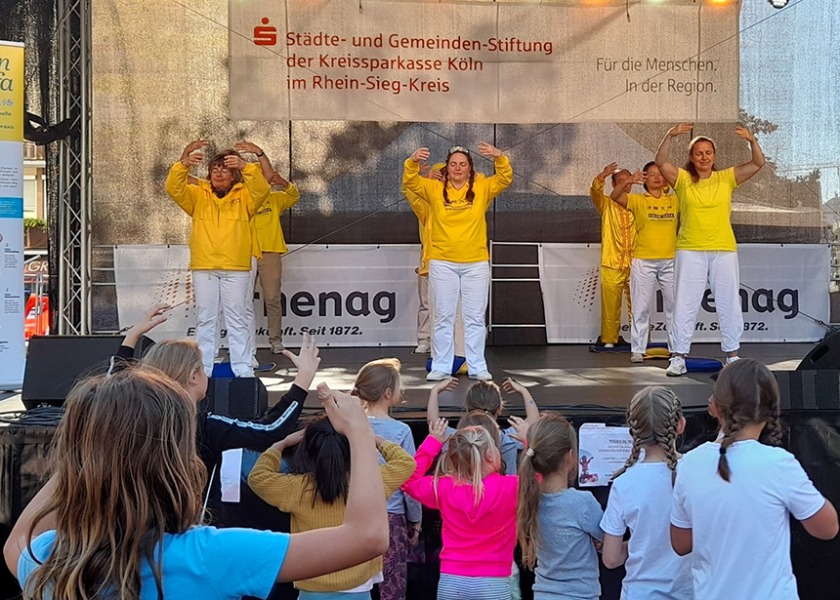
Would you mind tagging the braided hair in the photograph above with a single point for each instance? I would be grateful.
(746, 393)
(470, 193)
(654, 417)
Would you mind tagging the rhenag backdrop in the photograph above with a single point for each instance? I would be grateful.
(784, 292)
(366, 295)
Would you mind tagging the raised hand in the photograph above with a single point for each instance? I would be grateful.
(680, 129)
(510, 385)
(743, 132)
(234, 162)
(344, 411)
(420, 155)
(446, 384)
(293, 439)
(520, 427)
(153, 317)
(607, 171)
(306, 361)
(488, 150)
(247, 147)
(437, 429)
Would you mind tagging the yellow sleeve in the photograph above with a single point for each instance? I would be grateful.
(278, 489)
(501, 179)
(178, 188)
(287, 198)
(398, 467)
(420, 206)
(257, 186)
(599, 199)
(412, 181)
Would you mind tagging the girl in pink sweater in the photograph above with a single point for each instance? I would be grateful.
(478, 507)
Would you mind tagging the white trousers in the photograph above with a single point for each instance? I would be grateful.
(250, 314)
(470, 282)
(646, 276)
(230, 289)
(693, 269)
(424, 315)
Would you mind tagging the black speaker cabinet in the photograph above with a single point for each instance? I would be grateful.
(244, 398)
(825, 355)
(55, 362)
(815, 390)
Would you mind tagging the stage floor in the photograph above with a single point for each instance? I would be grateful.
(560, 377)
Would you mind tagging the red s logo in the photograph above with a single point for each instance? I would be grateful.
(265, 35)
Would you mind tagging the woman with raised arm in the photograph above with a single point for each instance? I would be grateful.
(121, 515)
(459, 266)
(706, 248)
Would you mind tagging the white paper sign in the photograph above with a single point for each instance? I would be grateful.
(602, 451)
(231, 474)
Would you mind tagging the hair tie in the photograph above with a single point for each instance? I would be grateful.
(722, 450)
(529, 453)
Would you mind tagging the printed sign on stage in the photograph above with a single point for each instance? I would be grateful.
(427, 61)
(12, 348)
(784, 295)
(344, 295)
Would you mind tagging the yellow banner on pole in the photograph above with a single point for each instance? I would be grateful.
(11, 92)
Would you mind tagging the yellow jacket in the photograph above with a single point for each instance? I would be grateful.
(459, 229)
(296, 494)
(422, 211)
(618, 228)
(220, 238)
(267, 226)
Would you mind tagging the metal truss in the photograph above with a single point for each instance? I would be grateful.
(73, 41)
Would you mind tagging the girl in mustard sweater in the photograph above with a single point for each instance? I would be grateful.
(459, 266)
(315, 494)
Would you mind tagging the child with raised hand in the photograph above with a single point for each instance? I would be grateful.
(477, 505)
(315, 494)
(486, 396)
(640, 500)
(734, 497)
(557, 525)
(378, 385)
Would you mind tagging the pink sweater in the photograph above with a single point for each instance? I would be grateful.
(478, 541)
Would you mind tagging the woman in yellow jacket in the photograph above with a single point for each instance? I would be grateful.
(459, 264)
(220, 245)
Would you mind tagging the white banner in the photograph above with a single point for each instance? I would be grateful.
(349, 295)
(784, 289)
(483, 62)
(12, 345)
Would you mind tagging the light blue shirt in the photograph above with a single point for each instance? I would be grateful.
(567, 562)
(399, 433)
(203, 562)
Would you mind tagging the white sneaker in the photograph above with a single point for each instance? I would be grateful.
(254, 362)
(481, 376)
(437, 376)
(677, 367)
(637, 357)
(732, 359)
(608, 345)
(422, 348)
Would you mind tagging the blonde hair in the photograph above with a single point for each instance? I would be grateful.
(126, 472)
(746, 393)
(654, 416)
(376, 378)
(178, 359)
(464, 459)
(550, 440)
(480, 418)
(486, 396)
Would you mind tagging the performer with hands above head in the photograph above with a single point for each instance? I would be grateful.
(220, 245)
(618, 234)
(706, 248)
(458, 258)
(269, 234)
(655, 214)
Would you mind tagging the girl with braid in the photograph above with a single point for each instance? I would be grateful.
(734, 497)
(640, 500)
(557, 524)
(459, 266)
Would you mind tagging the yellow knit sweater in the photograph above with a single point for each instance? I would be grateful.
(295, 493)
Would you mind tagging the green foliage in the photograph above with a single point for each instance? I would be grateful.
(30, 222)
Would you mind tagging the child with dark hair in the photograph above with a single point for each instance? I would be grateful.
(315, 494)
(734, 497)
(557, 524)
(640, 500)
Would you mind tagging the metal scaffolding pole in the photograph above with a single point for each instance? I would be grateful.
(73, 37)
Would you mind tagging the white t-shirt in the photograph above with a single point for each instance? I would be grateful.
(740, 528)
(640, 500)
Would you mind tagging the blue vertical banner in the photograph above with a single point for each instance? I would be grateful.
(12, 346)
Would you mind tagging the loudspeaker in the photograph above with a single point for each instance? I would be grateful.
(809, 390)
(244, 398)
(55, 362)
(825, 355)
